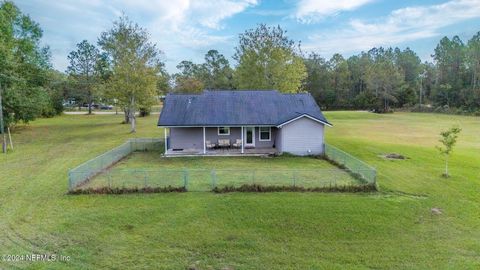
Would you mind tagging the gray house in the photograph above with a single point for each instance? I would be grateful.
(242, 122)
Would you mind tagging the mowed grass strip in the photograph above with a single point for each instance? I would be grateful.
(392, 229)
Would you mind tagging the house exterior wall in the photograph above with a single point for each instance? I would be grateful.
(265, 144)
(302, 137)
(211, 134)
(278, 139)
(186, 138)
(192, 137)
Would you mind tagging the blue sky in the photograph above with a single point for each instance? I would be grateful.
(187, 29)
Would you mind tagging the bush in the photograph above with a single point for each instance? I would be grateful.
(145, 112)
(124, 190)
(261, 188)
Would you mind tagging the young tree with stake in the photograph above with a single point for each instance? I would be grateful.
(448, 140)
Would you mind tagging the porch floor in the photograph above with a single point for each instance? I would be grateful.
(222, 152)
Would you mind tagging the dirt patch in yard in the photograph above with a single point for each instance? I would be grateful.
(394, 156)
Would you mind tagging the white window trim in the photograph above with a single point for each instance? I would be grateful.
(260, 134)
(224, 134)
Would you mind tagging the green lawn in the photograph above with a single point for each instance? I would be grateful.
(142, 169)
(392, 229)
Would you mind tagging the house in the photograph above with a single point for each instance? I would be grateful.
(242, 122)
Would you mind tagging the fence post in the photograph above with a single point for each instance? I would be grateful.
(294, 178)
(214, 179)
(70, 184)
(335, 175)
(185, 179)
(145, 179)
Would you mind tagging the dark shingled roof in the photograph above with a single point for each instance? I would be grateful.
(235, 108)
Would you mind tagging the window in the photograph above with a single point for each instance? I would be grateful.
(265, 133)
(223, 131)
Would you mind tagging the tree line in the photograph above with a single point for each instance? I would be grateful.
(124, 67)
(380, 79)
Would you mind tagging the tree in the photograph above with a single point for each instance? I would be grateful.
(163, 80)
(449, 57)
(191, 78)
(471, 95)
(410, 66)
(317, 81)
(85, 69)
(340, 81)
(57, 88)
(24, 67)
(383, 78)
(135, 66)
(268, 59)
(217, 71)
(448, 140)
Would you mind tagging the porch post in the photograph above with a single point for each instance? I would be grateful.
(204, 146)
(165, 142)
(242, 139)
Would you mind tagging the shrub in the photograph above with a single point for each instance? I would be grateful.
(261, 188)
(124, 190)
(144, 112)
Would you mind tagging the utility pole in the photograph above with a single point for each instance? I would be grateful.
(421, 90)
(422, 78)
(2, 130)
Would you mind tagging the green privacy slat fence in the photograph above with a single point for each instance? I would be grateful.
(95, 166)
(353, 164)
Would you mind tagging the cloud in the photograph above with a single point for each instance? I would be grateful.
(308, 11)
(401, 25)
(175, 25)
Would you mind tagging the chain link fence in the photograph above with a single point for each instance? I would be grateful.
(359, 168)
(88, 170)
(208, 180)
(97, 174)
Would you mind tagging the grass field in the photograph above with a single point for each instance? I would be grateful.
(392, 229)
(150, 169)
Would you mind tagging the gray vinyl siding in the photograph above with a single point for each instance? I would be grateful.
(211, 134)
(265, 144)
(302, 137)
(278, 139)
(186, 138)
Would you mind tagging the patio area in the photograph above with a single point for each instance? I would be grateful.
(221, 152)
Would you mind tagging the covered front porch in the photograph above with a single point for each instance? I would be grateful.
(223, 152)
(225, 141)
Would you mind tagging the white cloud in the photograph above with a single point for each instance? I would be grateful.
(175, 25)
(314, 10)
(401, 25)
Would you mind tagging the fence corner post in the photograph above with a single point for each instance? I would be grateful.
(70, 184)
(214, 179)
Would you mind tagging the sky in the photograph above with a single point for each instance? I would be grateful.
(187, 29)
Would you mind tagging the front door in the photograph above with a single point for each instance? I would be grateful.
(249, 137)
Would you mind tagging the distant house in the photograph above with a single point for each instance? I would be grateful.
(242, 122)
